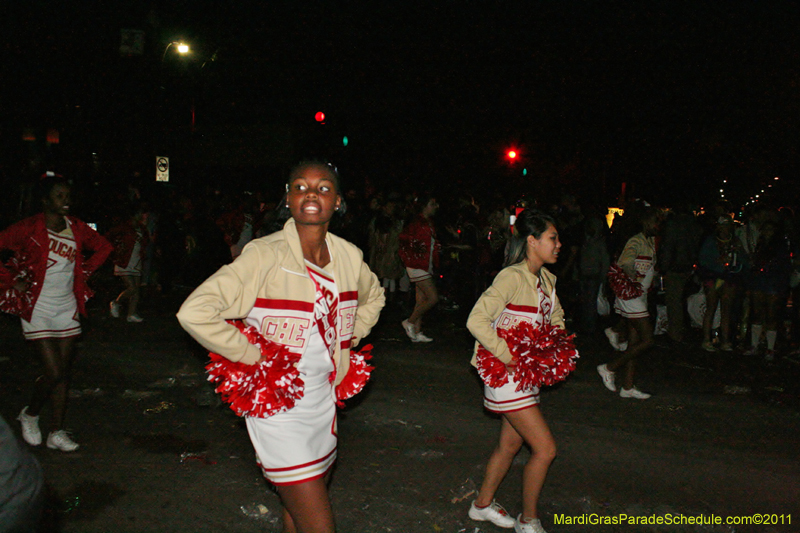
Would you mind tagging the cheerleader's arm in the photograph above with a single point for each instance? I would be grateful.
(228, 294)
(488, 307)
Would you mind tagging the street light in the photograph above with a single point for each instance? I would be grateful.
(183, 48)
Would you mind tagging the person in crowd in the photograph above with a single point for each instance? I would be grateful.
(637, 261)
(593, 267)
(45, 283)
(305, 275)
(523, 290)
(21, 485)
(678, 254)
(721, 263)
(419, 251)
(384, 243)
(130, 239)
(769, 286)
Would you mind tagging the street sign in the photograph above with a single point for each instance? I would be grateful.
(162, 168)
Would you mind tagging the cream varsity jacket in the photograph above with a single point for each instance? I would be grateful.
(269, 287)
(512, 298)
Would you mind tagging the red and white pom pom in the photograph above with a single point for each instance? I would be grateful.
(544, 355)
(623, 286)
(271, 386)
(491, 369)
(13, 301)
(357, 375)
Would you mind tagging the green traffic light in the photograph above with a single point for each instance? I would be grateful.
(345, 140)
(524, 171)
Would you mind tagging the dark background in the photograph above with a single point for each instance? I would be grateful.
(670, 98)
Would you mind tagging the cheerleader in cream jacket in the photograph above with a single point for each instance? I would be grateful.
(523, 291)
(311, 292)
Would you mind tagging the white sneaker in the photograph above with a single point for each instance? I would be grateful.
(534, 526)
(409, 329)
(608, 377)
(493, 513)
(30, 427)
(613, 339)
(113, 308)
(633, 393)
(421, 337)
(135, 319)
(623, 346)
(59, 440)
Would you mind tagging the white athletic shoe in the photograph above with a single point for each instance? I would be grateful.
(421, 337)
(30, 427)
(613, 339)
(408, 327)
(493, 513)
(113, 308)
(608, 377)
(135, 319)
(633, 393)
(59, 440)
(534, 526)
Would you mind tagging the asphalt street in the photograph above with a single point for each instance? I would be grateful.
(160, 454)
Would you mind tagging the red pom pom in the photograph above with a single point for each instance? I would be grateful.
(544, 355)
(491, 369)
(623, 286)
(357, 375)
(11, 300)
(271, 386)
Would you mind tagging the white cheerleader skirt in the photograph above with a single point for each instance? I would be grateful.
(417, 274)
(53, 318)
(298, 445)
(633, 308)
(506, 399)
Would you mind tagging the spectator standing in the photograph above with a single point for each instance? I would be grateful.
(769, 286)
(722, 263)
(677, 256)
(593, 267)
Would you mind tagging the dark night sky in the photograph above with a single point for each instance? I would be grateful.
(667, 96)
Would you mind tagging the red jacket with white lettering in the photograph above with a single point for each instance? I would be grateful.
(29, 243)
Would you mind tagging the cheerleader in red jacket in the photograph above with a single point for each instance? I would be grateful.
(419, 251)
(130, 239)
(45, 284)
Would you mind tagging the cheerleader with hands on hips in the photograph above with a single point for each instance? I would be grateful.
(45, 284)
(310, 294)
(524, 291)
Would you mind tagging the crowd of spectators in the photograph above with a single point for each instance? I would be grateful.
(741, 265)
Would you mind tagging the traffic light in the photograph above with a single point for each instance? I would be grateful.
(320, 117)
(512, 155)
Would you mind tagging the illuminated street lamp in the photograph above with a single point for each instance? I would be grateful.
(183, 48)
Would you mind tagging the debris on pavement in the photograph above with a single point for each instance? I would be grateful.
(201, 458)
(160, 408)
(465, 491)
(138, 395)
(735, 389)
(86, 393)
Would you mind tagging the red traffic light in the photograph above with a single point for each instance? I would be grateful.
(512, 154)
(320, 116)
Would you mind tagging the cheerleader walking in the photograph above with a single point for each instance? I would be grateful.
(524, 291)
(311, 293)
(46, 286)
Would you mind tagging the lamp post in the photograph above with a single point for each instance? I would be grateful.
(183, 48)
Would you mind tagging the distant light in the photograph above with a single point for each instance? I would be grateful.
(512, 154)
(183, 48)
(345, 140)
(320, 116)
(524, 171)
(776, 177)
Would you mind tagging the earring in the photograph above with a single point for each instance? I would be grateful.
(287, 206)
(337, 208)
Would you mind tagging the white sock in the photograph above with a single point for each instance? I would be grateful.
(755, 334)
(771, 338)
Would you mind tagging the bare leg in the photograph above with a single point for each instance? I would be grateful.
(307, 508)
(427, 298)
(131, 292)
(499, 463)
(641, 339)
(54, 384)
(531, 426)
